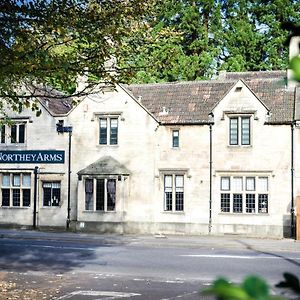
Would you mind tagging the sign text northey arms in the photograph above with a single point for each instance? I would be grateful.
(32, 156)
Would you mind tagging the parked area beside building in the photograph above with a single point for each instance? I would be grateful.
(218, 156)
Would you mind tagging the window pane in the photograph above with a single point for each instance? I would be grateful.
(262, 184)
(179, 201)
(26, 182)
(56, 185)
(250, 203)
(21, 133)
(2, 134)
(5, 197)
(246, 131)
(16, 180)
(103, 132)
(179, 196)
(13, 134)
(179, 181)
(237, 184)
(263, 203)
(47, 195)
(5, 180)
(225, 202)
(55, 196)
(16, 197)
(233, 134)
(26, 197)
(225, 183)
(100, 194)
(47, 184)
(113, 131)
(237, 203)
(111, 194)
(168, 181)
(89, 188)
(168, 201)
(175, 142)
(250, 183)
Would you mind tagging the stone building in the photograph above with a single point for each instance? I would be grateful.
(199, 157)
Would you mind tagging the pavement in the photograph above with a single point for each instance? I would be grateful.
(199, 241)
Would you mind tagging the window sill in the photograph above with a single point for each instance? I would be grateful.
(107, 145)
(49, 207)
(15, 207)
(243, 214)
(173, 212)
(239, 146)
(99, 211)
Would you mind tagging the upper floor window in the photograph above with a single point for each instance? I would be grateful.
(239, 130)
(16, 189)
(13, 134)
(175, 138)
(244, 194)
(100, 194)
(173, 192)
(108, 134)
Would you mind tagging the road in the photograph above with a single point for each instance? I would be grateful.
(112, 267)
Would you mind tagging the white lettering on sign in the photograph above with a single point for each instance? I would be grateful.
(29, 157)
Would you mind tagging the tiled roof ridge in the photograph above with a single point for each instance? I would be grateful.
(214, 80)
(252, 72)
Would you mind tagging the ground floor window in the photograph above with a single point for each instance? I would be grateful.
(244, 194)
(100, 194)
(51, 193)
(173, 192)
(15, 189)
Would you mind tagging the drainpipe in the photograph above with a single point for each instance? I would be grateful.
(35, 196)
(69, 179)
(292, 183)
(60, 128)
(210, 178)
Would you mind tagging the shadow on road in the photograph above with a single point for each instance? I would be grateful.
(23, 257)
(249, 247)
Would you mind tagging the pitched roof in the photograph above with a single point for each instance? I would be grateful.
(106, 165)
(191, 102)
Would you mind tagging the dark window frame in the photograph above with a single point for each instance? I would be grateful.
(49, 192)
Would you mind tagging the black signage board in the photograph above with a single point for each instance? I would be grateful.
(32, 157)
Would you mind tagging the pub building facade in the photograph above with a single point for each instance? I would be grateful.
(200, 157)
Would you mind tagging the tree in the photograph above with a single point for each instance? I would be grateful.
(51, 42)
(199, 38)
(182, 45)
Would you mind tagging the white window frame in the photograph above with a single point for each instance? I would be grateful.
(238, 131)
(16, 185)
(177, 201)
(105, 194)
(245, 192)
(6, 133)
(108, 130)
(175, 138)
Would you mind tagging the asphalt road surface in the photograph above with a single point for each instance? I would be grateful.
(130, 268)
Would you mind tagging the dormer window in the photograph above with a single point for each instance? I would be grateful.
(239, 130)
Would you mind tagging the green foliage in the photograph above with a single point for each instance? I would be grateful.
(295, 66)
(191, 40)
(252, 288)
(53, 41)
